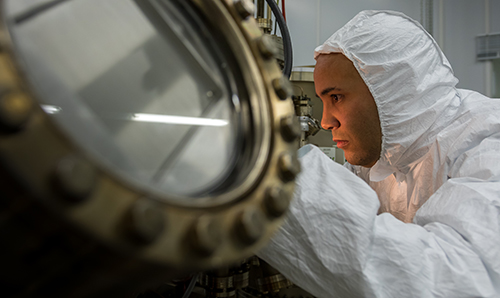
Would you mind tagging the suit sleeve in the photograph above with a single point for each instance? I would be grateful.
(334, 244)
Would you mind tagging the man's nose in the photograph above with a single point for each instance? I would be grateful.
(328, 120)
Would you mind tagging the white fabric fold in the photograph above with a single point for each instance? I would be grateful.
(334, 244)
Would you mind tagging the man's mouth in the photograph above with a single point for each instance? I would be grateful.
(341, 143)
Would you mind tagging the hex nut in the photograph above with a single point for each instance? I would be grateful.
(249, 226)
(75, 178)
(15, 109)
(290, 128)
(282, 87)
(245, 8)
(146, 221)
(276, 202)
(288, 166)
(205, 236)
(267, 47)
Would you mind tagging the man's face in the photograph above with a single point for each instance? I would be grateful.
(349, 109)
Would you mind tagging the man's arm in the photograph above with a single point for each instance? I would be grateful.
(334, 244)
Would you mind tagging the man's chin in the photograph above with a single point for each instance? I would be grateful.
(360, 162)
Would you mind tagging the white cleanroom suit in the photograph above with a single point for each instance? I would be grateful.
(424, 221)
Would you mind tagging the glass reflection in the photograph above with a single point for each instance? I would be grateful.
(136, 87)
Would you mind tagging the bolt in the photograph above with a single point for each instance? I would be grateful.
(15, 108)
(75, 178)
(249, 226)
(147, 221)
(267, 47)
(205, 236)
(290, 128)
(282, 87)
(245, 8)
(276, 202)
(289, 167)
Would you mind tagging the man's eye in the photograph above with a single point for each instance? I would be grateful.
(335, 97)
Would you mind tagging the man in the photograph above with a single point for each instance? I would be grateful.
(424, 219)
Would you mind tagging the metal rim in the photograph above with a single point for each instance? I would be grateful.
(76, 187)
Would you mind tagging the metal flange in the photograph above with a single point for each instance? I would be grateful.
(124, 221)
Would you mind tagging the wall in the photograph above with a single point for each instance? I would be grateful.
(463, 20)
(494, 27)
(456, 23)
(311, 22)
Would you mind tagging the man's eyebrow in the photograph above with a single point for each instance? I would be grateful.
(328, 90)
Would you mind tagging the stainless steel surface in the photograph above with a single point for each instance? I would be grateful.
(303, 87)
(308, 124)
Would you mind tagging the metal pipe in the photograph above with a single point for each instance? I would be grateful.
(287, 42)
(191, 285)
(260, 8)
